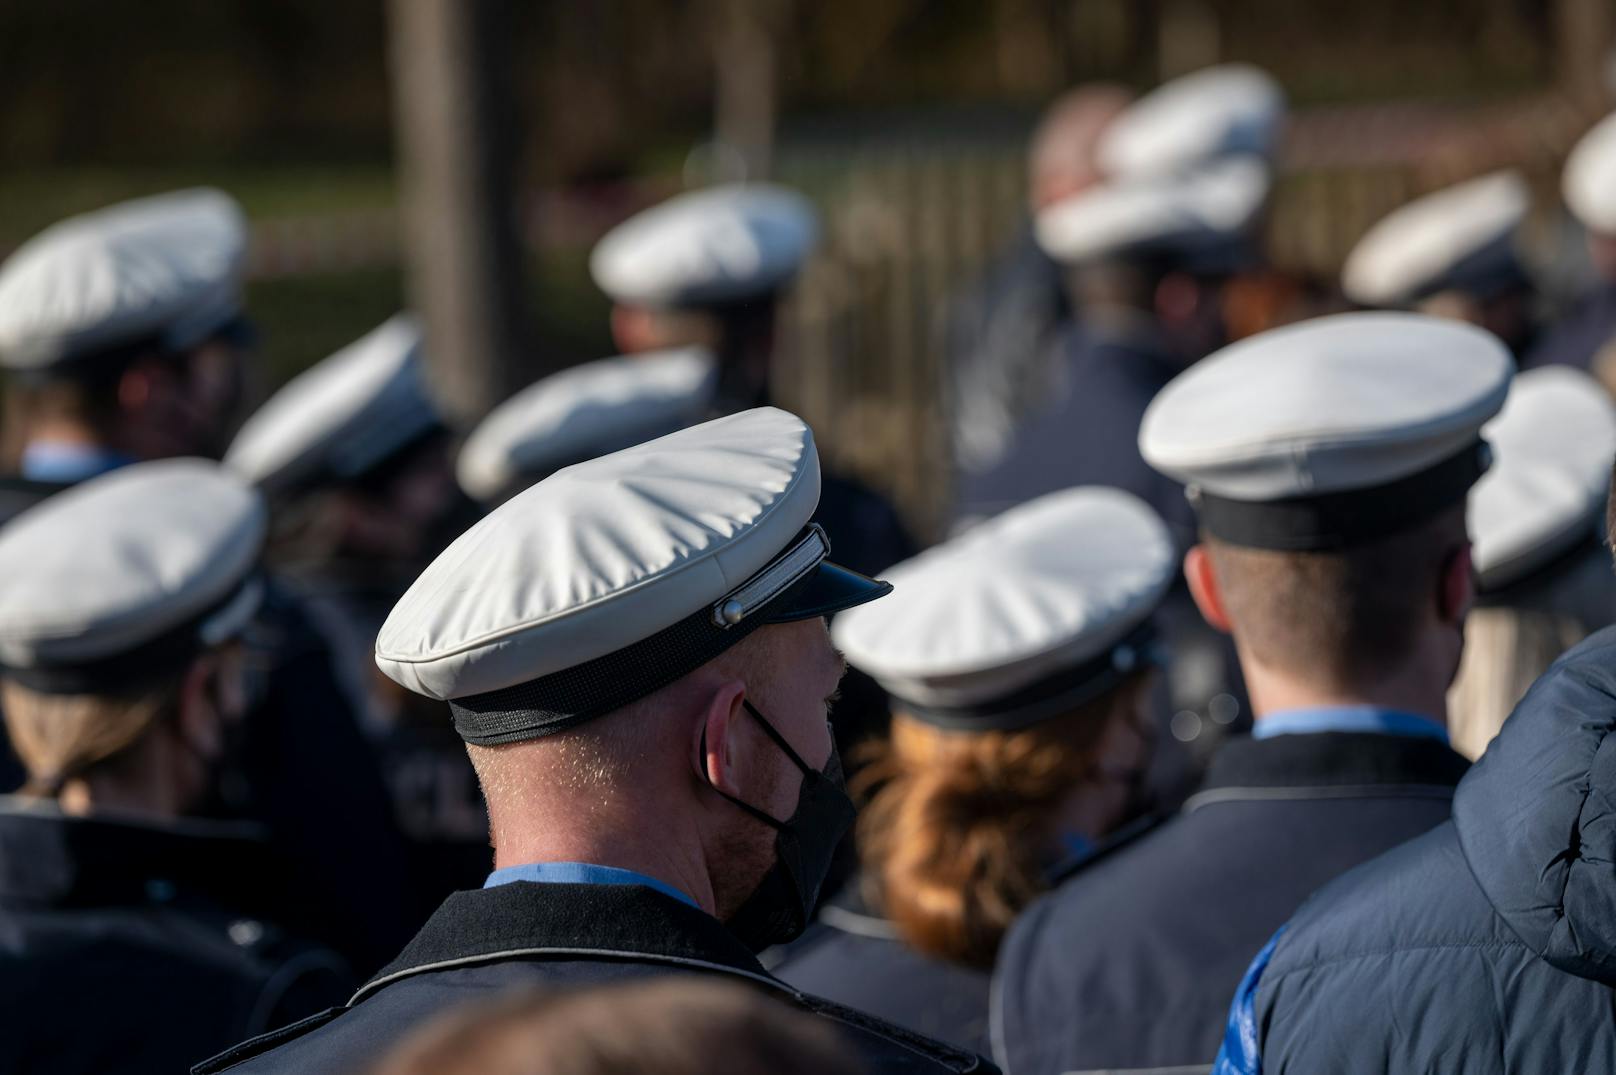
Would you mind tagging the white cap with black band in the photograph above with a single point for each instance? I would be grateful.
(128, 576)
(612, 578)
(1333, 432)
(1021, 618)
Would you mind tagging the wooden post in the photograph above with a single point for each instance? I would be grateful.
(1584, 31)
(745, 80)
(462, 245)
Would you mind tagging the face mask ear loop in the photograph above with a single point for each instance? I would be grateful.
(748, 807)
(779, 740)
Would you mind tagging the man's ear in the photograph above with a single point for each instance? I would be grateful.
(200, 722)
(718, 746)
(1458, 587)
(1204, 588)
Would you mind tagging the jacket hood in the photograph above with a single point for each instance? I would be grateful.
(1536, 815)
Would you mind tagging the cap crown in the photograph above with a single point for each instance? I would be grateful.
(169, 265)
(1553, 444)
(1231, 108)
(603, 554)
(1175, 214)
(1040, 587)
(343, 415)
(1589, 180)
(1350, 401)
(585, 411)
(710, 246)
(1410, 251)
(112, 563)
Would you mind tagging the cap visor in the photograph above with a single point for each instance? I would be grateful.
(829, 589)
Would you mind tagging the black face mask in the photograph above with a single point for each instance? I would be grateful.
(777, 911)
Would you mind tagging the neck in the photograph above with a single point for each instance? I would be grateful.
(149, 799)
(1272, 691)
(675, 860)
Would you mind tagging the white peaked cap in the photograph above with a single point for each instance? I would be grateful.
(106, 580)
(707, 247)
(1451, 238)
(1589, 180)
(343, 416)
(1387, 404)
(166, 268)
(582, 412)
(1021, 617)
(1187, 213)
(1183, 124)
(612, 578)
(1553, 446)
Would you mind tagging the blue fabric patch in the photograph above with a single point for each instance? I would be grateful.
(1242, 1051)
(54, 461)
(1348, 718)
(581, 873)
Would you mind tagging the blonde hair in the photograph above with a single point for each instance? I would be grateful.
(1508, 644)
(61, 737)
(955, 837)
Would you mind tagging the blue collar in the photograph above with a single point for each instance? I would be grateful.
(58, 461)
(581, 873)
(1369, 719)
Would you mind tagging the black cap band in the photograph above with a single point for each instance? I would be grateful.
(1341, 520)
(797, 584)
(1053, 695)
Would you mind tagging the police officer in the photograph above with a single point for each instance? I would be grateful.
(1002, 334)
(634, 651)
(132, 936)
(709, 267)
(122, 335)
(592, 409)
(1453, 253)
(1537, 521)
(1483, 946)
(1587, 187)
(1018, 656)
(1329, 463)
(355, 460)
(1188, 177)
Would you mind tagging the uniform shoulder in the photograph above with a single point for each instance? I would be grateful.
(892, 1047)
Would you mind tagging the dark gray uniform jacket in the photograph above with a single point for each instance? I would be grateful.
(557, 935)
(854, 956)
(1488, 945)
(1130, 964)
(135, 948)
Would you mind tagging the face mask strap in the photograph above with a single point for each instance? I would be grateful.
(779, 741)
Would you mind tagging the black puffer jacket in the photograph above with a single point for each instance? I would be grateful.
(1487, 945)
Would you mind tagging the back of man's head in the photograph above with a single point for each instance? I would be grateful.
(1061, 157)
(1339, 618)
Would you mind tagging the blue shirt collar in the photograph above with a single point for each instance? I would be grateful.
(1368, 719)
(581, 873)
(60, 461)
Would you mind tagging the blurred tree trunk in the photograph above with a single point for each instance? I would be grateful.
(456, 162)
(746, 84)
(1584, 29)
